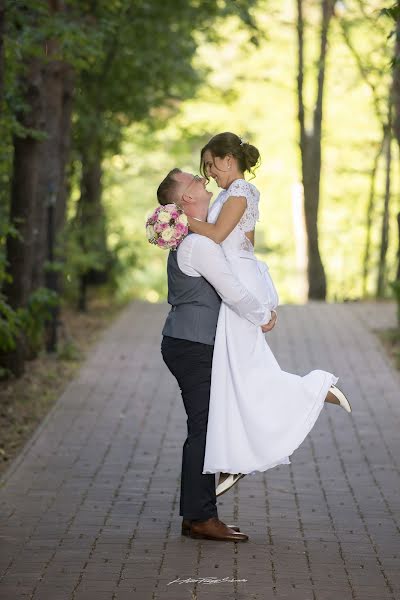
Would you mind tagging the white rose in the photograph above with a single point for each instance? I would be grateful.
(182, 219)
(150, 232)
(164, 216)
(167, 234)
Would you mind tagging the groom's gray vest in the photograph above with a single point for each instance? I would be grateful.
(195, 306)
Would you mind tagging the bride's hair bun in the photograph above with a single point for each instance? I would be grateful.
(251, 154)
(225, 143)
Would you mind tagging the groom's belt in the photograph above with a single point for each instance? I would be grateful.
(193, 307)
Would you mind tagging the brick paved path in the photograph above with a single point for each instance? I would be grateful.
(89, 510)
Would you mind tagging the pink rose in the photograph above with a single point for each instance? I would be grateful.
(181, 229)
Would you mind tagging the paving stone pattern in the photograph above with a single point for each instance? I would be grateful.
(89, 509)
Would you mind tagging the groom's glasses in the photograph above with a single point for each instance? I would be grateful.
(195, 178)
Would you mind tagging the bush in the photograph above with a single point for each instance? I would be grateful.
(395, 285)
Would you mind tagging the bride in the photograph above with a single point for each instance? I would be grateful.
(258, 413)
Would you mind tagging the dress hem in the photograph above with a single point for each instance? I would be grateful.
(308, 424)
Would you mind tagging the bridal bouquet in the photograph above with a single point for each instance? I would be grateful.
(167, 227)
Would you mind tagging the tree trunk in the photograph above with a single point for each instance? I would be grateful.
(310, 149)
(19, 249)
(92, 223)
(311, 176)
(51, 196)
(38, 179)
(54, 153)
(65, 146)
(27, 152)
(398, 248)
(50, 205)
(2, 21)
(60, 215)
(396, 129)
(381, 282)
(370, 211)
(396, 85)
(50, 174)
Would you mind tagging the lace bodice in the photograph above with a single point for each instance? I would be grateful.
(237, 239)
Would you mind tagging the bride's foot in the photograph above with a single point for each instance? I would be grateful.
(226, 481)
(336, 396)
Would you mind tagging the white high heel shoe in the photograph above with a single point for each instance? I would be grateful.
(341, 397)
(225, 483)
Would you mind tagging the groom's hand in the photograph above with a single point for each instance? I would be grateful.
(271, 324)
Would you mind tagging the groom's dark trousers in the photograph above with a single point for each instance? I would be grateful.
(190, 363)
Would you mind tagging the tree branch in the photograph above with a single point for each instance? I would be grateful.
(363, 71)
(327, 12)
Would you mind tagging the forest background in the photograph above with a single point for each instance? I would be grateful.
(101, 99)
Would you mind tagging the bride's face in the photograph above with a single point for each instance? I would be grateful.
(218, 168)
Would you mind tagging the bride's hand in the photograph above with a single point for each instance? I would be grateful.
(271, 324)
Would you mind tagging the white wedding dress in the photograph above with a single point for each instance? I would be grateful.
(259, 414)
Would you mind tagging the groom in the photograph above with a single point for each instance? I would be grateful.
(198, 278)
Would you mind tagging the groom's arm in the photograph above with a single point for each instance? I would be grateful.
(202, 256)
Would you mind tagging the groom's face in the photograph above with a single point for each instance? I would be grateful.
(192, 189)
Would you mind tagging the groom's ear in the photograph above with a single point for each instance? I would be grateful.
(186, 199)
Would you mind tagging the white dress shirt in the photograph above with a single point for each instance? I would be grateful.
(199, 256)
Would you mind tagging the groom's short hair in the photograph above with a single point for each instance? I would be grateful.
(166, 189)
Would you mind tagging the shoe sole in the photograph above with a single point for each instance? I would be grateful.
(186, 532)
(342, 398)
(200, 536)
(231, 486)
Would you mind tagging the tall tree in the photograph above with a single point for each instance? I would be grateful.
(372, 68)
(384, 238)
(25, 177)
(57, 77)
(42, 84)
(310, 145)
(396, 75)
(394, 13)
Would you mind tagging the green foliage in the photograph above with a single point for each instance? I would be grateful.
(144, 61)
(395, 286)
(81, 257)
(33, 317)
(154, 80)
(393, 12)
(251, 91)
(68, 350)
(9, 326)
(129, 57)
(9, 319)
(144, 66)
(28, 321)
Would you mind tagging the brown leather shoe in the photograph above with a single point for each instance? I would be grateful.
(214, 529)
(186, 523)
